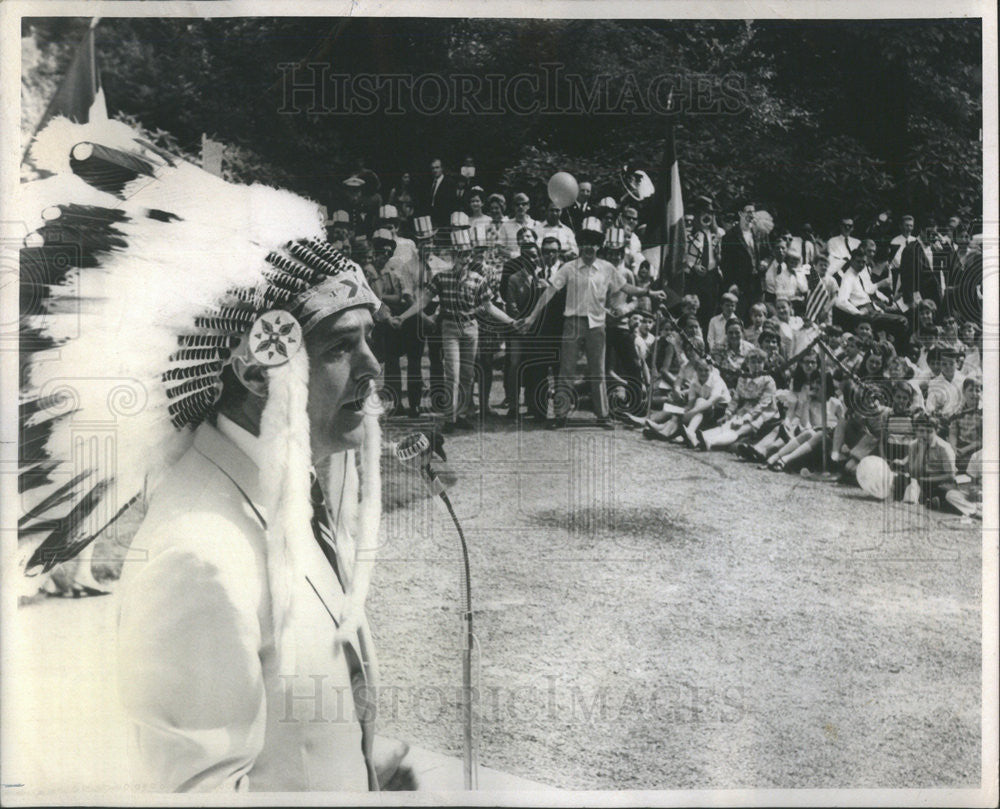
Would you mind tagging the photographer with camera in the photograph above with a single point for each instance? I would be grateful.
(703, 259)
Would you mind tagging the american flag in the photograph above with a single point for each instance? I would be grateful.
(820, 297)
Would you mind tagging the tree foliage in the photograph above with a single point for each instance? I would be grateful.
(818, 118)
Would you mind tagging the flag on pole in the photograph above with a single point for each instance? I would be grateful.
(819, 300)
(80, 96)
(665, 239)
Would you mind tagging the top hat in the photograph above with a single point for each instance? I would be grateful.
(388, 213)
(591, 232)
(615, 238)
(423, 228)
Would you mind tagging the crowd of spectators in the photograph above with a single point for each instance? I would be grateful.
(796, 353)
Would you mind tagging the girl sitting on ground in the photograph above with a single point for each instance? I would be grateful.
(769, 342)
(866, 400)
(729, 358)
(808, 440)
(676, 346)
(791, 403)
(752, 404)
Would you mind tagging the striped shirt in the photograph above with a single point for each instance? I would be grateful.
(461, 294)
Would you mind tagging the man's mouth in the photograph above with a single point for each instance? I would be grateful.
(354, 405)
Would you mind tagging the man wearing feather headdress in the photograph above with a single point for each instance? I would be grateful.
(245, 659)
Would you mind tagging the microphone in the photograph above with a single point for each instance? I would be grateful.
(416, 449)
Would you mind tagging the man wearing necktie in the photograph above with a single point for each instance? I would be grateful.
(742, 252)
(247, 661)
(440, 200)
(579, 210)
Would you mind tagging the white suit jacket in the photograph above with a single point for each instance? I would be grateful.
(198, 674)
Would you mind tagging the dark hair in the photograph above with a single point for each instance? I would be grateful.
(801, 377)
(873, 352)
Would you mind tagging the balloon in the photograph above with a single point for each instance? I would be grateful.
(563, 189)
(875, 477)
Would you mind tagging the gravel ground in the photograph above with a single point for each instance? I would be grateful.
(647, 618)
(653, 618)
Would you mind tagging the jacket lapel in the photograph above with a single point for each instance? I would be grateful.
(234, 464)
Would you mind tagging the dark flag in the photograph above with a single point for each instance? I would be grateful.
(665, 239)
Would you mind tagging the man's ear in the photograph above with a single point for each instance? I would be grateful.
(251, 375)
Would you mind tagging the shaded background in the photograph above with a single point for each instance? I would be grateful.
(839, 116)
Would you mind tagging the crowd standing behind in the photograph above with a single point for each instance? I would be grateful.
(792, 352)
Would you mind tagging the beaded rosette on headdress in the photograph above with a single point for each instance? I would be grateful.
(144, 273)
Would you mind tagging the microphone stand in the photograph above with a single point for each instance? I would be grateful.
(470, 758)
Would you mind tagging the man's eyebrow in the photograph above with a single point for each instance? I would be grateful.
(341, 330)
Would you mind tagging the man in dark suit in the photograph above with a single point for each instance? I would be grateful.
(742, 253)
(439, 198)
(920, 271)
(580, 209)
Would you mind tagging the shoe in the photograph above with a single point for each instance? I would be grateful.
(413, 412)
(605, 423)
(556, 423)
(84, 591)
(690, 437)
(513, 414)
(702, 444)
(464, 424)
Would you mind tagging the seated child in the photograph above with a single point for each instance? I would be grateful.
(707, 399)
(810, 435)
(791, 403)
(752, 404)
(965, 430)
(927, 473)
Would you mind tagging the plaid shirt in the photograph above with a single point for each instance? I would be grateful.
(461, 294)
